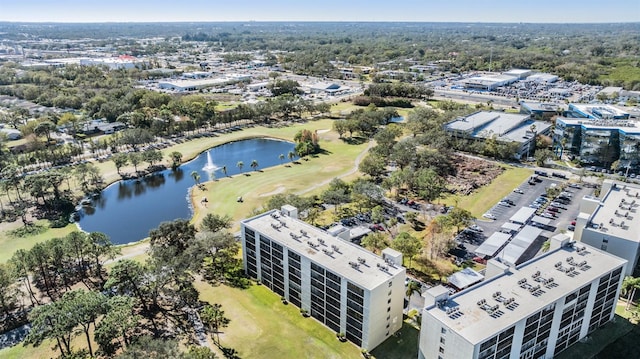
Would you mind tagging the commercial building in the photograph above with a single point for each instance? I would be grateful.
(504, 127)
(198, 84)
(487, 82)
(534, 310)
(342, 285)
(542, 110)
(610, 222)
(598, 134)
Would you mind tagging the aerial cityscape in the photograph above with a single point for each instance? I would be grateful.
(290, 179)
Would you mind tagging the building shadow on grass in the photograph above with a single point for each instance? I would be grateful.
(403, 344)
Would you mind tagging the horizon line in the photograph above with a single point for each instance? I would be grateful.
(316, 21)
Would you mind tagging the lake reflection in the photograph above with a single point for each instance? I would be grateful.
(127, 210)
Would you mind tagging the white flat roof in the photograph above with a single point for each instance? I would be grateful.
(492, 245)
(541, 220)
(523, 215)
(324, 249)
(464, 278)
(475, 324)
(619, 205)
(519, 244)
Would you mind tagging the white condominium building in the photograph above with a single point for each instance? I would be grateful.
(342, 285)
(534, 310)
(610, 222)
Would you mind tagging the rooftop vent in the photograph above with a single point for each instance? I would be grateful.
(354, 265)
(361, 260)
(276, 226)
(303, 232)
(497, 295)
(312, 244)
(558, 265)
(320, 240)
(327, 252)
(481, 302)
(335, 248)
(535, 275)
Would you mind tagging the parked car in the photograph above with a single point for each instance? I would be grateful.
(518, 190)
(507, 200)
(476, 228)
(552, 209)
(480, 260)
(546, 215)
(541, 173)
(571, 227)
(574, 185)
(489, 216)
(558, 174)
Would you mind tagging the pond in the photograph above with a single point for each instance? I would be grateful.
(127, 210)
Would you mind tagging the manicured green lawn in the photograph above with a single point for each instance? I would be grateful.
(255, 187)
(9, 244)
(262, 327)
(618, 339)
(480, 201)
(402, 346)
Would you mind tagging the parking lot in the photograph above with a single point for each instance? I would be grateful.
(563, 214)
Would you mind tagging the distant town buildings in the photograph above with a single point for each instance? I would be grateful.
(534, 310)
(345, 287)
(611, 223)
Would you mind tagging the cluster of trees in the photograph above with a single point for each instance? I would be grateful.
(50, 191)
(398, 89)
(364, 122)
(133, 300)
(422, 160)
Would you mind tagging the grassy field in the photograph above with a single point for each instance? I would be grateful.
(10, 244)
(262, 327)
(402, 346)
(255, 187)
(480, 201)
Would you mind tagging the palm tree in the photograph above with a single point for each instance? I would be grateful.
(412, 287)
(224, 170)
(213, 317)
(240, 164)
(254, 165)
(291, 156)
(546, 246)
(196, 177)
(629, 286)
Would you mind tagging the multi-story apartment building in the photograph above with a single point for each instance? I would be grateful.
(610, 222)
(342, 285)
(534, 310)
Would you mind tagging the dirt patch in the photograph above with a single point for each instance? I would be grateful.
(471, 173)
(278, 190)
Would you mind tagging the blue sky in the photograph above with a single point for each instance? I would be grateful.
(555, 11)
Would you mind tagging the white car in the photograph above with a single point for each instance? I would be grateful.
(518, 190)
(476, 228)
(489, 216)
